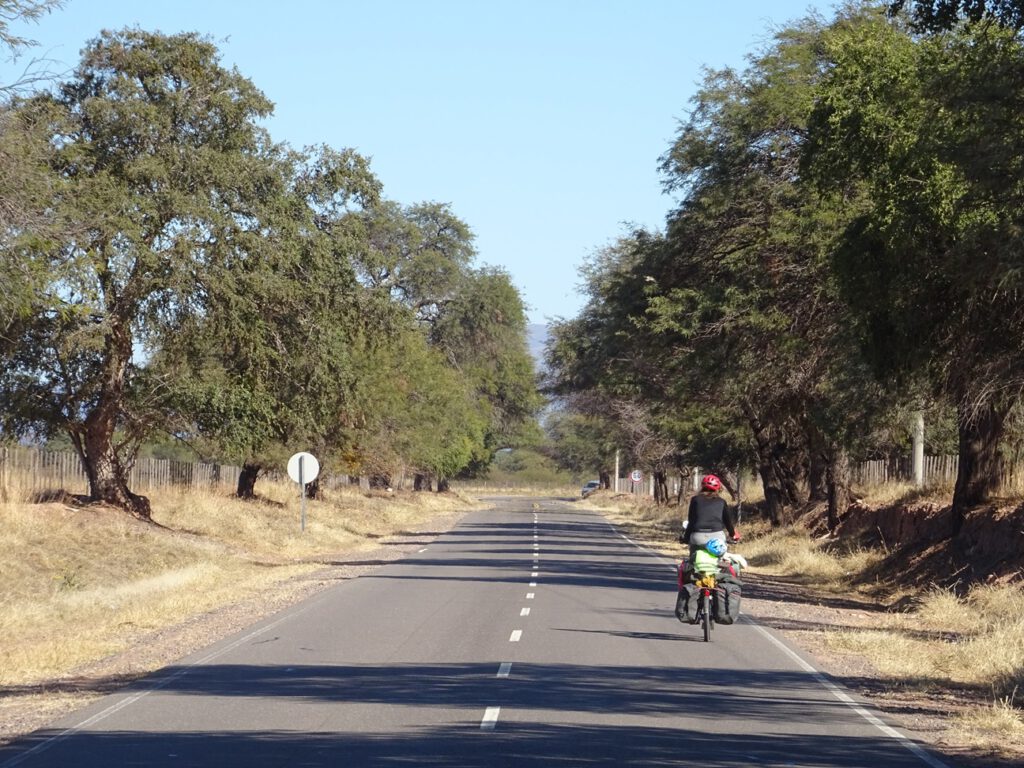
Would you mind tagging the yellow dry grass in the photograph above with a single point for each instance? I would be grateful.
(81, 583)
(975, 641)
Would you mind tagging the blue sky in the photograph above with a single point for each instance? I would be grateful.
(540, 123)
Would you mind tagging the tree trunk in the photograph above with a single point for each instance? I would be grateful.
(778, 488)
(314, 490)
(443, 485)
(380, 482)
(660, 486)
(685, 474)
(107, 475)
(817, 472)
(980, 463)
(421, 483)
(604, 477)
(247, 480)
(838, 482)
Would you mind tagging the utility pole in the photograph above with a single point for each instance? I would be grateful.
(615, 482)
(919, 449)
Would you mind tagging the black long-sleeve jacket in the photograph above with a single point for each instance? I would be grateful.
(710, 513)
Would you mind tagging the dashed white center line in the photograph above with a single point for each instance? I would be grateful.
(490, 718)
(505, 669)
(533, 583)
(516, 636)
(524, 612)
(529, 595)
(423, 550)
(535, 574)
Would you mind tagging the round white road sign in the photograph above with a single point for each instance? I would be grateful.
(307, 463)
(636, 476)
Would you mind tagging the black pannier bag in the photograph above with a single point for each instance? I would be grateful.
(686, 603)
(727, 600)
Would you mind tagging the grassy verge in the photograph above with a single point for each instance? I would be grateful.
(83, 583)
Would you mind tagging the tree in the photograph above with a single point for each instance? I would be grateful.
(943, 15)
(159, 170)
(261, 372)
(420, 257)
(417, 255)
(931, 265)
(481, 332)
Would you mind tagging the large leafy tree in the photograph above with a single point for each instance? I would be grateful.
(160, 171)
(267, 369)
(932, 265)
(420, 257)
(728, 326)
(481, 332)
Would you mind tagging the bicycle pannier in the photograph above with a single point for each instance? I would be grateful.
(686, 603)
(727, 601)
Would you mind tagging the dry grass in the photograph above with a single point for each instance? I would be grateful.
(888, 494)
(83, 583)
(974, 642)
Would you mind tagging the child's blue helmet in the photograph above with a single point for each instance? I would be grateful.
(716, 547)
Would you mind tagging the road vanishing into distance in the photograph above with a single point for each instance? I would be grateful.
(531, 634)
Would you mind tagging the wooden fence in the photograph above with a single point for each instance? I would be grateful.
(31, 471)
(938, 470)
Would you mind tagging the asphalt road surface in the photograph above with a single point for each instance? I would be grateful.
(533, 634)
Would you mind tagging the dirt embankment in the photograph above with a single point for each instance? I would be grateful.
(990, 547)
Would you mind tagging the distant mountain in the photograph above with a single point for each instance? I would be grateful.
(536, 338)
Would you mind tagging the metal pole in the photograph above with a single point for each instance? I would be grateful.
(302, 490)
(615, 485)
(739, 494)
(919, 449)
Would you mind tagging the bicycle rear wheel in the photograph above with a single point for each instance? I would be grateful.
(706, 617)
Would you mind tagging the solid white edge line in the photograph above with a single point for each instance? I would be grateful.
(490, 718)
(836, 690)
(848, 700)
(505, 669)
(516, 636)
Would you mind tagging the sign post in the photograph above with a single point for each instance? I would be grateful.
(635, 478)
(303, 468)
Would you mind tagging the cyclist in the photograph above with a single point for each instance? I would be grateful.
(709, 517)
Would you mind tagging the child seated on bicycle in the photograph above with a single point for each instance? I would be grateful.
(714, 558)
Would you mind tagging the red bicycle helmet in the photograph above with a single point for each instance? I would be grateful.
(711, 483)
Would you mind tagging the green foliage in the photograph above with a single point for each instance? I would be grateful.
(931, 266)
(177, 272)
(528, 467)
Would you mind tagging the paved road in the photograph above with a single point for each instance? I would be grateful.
(529, 635)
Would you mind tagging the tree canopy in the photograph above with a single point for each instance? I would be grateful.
(177, 271)
(843, 252)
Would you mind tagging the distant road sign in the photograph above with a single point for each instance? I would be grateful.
(636, 476)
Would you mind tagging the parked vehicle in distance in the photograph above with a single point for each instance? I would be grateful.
(590, 487)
